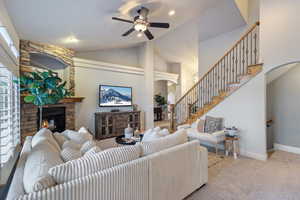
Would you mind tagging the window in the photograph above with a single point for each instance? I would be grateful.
(9, 114)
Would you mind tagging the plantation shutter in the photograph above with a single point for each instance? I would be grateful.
(9, 114)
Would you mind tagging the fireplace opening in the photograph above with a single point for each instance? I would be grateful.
(53, 118)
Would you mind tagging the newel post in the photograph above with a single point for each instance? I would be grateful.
(172, 120)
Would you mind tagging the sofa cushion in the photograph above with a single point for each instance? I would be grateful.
(164, 132)
(60, 138)
(201, 125)
(78, 137)
(215, 137)
(87, 165)
(179, 137)
(69, 153)
(16, 188)
(42, 135)
(42, 157)
(152, 134)
(92, 151)
(71, 144)
(87, 146)
(213, 124)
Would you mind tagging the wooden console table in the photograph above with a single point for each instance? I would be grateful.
(112, 124)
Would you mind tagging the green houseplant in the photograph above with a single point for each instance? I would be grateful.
(42, 88)
(160, 100)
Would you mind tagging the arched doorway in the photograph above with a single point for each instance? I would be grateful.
(283, 108)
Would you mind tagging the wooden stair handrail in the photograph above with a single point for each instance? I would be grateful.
(243, 37)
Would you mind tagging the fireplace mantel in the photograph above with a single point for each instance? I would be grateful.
(65, 100)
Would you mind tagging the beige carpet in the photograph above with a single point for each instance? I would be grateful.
(248, 179)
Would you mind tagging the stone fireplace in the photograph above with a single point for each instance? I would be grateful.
(53, 118)
(32, 57)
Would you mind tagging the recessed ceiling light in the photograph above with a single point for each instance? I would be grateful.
(72, 39)
(139, 35)
(171, 12)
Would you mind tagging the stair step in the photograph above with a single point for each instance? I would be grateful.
(254, 69)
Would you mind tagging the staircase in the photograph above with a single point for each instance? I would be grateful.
(234, 69)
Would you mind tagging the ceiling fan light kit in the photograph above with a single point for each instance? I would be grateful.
(141, 23)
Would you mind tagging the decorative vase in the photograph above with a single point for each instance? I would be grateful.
(128, 132)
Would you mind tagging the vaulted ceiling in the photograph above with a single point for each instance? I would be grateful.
(62, 22)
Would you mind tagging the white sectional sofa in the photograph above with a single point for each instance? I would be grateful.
(169, 174)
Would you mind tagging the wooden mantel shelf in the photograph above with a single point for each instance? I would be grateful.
(72, 99)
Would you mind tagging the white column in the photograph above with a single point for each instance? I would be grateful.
(147, 62)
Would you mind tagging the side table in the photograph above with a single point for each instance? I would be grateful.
(232, 146)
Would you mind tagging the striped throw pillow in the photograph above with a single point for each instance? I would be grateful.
(90, 164)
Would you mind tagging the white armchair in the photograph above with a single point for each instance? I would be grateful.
(215, 138)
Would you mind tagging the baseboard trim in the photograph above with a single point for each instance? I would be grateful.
(287, 148)
(253, 155)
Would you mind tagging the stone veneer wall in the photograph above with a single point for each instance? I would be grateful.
(67, 55)
(29, 111)
(29, 118)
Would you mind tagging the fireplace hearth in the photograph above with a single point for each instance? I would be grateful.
(53, 118)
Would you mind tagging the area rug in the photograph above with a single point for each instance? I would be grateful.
(214, 159)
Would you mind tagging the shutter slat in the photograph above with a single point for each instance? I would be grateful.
(9, 115)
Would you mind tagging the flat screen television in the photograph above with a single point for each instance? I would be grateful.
(114, 96)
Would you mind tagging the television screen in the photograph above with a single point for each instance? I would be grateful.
(115, 96)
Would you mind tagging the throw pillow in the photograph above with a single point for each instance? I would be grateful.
(164, 132)
(45, 134)
(42, 157)
(87, 146)
(200, 126)
(77, 137)
(92, 151)
(71, 144)
(213, 124)
(60, 138)
(151, 135)
(69, 153)
(90, 164)
(179, 137)
(194, 125)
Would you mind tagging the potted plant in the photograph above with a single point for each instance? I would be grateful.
(160, 100)
(42, 88)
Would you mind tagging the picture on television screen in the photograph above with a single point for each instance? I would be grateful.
(115, 96)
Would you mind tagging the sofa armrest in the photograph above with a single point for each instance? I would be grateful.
(219, 133)
(177, 171)
(128, 181)
(184, 126)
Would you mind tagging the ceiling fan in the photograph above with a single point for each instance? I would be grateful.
(141, 24)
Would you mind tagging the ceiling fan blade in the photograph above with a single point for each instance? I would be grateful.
(128, 32)
(149, 34)
(159, 25)
(123, 20)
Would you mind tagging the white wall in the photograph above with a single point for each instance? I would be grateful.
(181, 46)
(211, 50)
(283, 101)
(123, 56)
(279, 32)
(245, 109)
(161, 88)
(243, 7)
(87, 85)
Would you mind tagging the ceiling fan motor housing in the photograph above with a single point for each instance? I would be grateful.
(140, 25)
